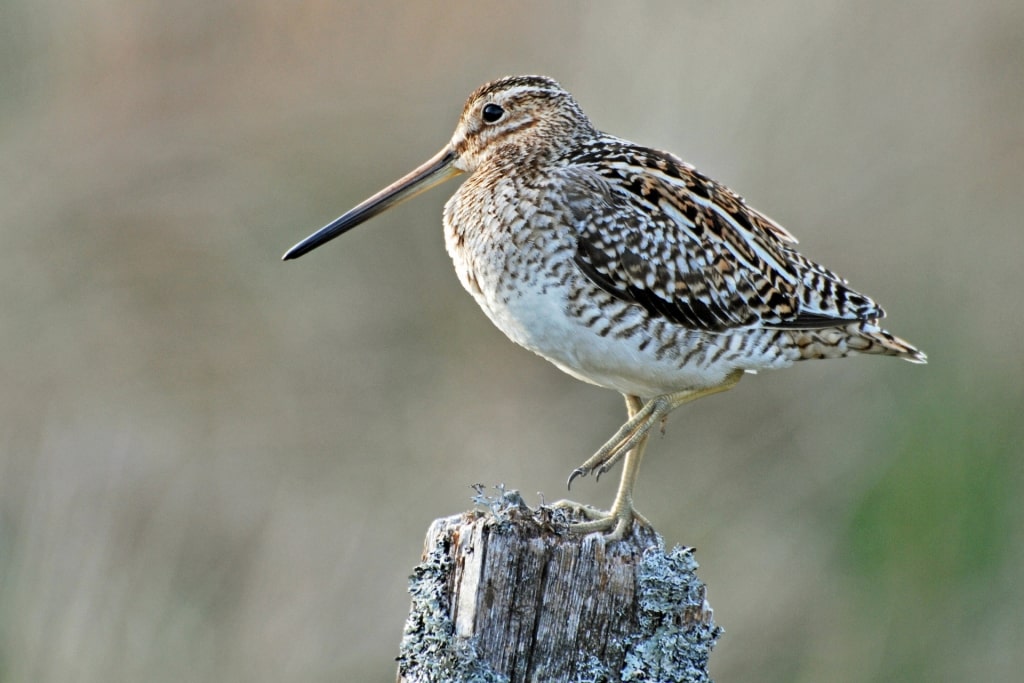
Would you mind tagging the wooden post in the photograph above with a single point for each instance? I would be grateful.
(505, 594)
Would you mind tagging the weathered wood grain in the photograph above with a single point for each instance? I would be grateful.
(505, 594)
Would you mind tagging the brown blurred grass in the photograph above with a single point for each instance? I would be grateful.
(216, 466)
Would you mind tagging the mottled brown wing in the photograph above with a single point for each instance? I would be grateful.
(689, 250)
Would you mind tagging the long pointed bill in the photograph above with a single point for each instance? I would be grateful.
(437, 170)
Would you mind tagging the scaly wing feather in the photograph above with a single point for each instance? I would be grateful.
(654, 231)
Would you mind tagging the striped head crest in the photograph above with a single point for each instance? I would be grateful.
(532, 115)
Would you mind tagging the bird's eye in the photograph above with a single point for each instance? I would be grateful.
(492, 112)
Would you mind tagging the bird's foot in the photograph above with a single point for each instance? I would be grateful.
(574, 509)
(629, 436)
(615, 523)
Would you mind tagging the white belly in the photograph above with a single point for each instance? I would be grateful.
(539, 321)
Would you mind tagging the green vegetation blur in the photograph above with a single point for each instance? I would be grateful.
(217, 466)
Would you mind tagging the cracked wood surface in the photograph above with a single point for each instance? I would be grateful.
(508, 595)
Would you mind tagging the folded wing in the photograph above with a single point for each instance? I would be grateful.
(654, 231)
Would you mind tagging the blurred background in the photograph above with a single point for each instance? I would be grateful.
(217, 466)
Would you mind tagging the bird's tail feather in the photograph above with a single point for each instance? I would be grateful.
(861, 337)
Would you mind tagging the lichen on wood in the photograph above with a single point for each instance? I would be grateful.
(505, 594)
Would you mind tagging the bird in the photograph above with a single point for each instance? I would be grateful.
(624, 266)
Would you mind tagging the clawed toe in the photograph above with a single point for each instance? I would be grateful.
(615, 524)
(578, 472)
(588, 512)
(601, 470)
(582, 472)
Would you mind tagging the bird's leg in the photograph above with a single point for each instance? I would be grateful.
(642, 416)
(641, 420)
(620, 518)
(633, 406)
(629, 442)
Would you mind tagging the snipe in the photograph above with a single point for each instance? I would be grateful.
(623, 265)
